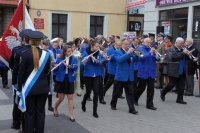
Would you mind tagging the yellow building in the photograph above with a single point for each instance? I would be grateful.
(79, 18)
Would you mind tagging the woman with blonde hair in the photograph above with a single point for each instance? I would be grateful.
(33, 82)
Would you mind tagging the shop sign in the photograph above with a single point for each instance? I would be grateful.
(171, 2)
(129, 35)
(134, 3)
(39, 23)
(166, 25)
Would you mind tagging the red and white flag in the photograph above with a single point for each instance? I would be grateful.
(11, 36)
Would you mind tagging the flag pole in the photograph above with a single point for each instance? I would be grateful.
(24, 5)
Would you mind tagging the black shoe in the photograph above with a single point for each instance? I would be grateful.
(79, 95)
(121, 97)
(102, 102)
(83, 108)
(72, 120)
(89, 99)
(133, 112)
(113, 108)
(197, 95)
(95, 115)
(51, 109)
(152, 108)
(181, 102)
(15, 127)
(162, 97)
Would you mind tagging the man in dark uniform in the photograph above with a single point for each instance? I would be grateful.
(14, 65)
(176, 70)
(191, 67)
(35, 92)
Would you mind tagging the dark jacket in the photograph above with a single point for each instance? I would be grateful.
(14, 61)
(190, 64)
(26, 66)
(173, 57)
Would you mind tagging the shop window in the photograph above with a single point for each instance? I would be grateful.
(59, 26)
(196, 23)
(181, 13)
(96, 25)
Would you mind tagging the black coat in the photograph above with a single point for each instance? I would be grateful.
(173, 58)
(191, 66)
(14, 63)
(26, 66)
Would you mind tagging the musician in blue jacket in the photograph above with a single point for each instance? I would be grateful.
(92, 61)
(124, 76)
(146, 73)
(65, 78)
(111, 66)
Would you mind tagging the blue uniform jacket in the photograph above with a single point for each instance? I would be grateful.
(60, 72)
(111, 66)
(136, 60)
(147, 64)
(93, 69)
(125, 66)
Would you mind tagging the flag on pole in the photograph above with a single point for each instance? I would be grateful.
(11, 36)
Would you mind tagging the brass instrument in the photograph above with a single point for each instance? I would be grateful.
(189, 53)
(162, 57)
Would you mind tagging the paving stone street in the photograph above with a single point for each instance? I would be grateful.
(170, 117)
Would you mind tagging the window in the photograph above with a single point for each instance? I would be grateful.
(174, 14)
(59, 26)
(196, 23)
(96, 25)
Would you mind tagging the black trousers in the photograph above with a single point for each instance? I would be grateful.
(92, 83)
(143, 83)
(81, 77)
(4, 75)
(161, 76)
(109, 83)
(129, 91)
(17, 114)
(180, 85)
(34, 116)
(135, 79)
(101, 90)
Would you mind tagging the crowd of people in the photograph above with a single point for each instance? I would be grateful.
(41, 66)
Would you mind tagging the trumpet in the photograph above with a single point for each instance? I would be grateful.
(162, 57)
(189, 53)
(156, 52)
(137, 53)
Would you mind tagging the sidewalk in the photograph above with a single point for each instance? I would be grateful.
(170, 117)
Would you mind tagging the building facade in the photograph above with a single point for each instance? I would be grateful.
(179, 18)
(81, 18)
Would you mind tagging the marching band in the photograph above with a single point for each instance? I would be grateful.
(97, 64)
